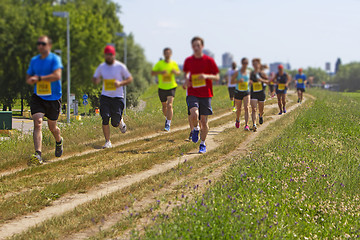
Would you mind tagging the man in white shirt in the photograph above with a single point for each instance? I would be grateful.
(115, 75)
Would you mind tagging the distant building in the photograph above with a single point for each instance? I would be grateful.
(227, 60)
(208, 53)
(337, 65)
(273, 67)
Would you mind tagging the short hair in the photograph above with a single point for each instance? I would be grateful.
(244, 59)
(167, 49)
(257, 60)
(48, 38)
(197, 39)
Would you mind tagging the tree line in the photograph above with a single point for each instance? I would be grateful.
(93, 24)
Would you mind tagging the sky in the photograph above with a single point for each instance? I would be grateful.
(305, 33)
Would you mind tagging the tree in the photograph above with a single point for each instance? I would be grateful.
(348, 77)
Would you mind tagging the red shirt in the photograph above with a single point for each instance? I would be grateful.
(203, 65)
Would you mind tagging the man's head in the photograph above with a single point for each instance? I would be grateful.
(233, 65)
(167, 53)
(281, 68)
(300, 70)
(44, 44)
(109, 53)
(197, 44)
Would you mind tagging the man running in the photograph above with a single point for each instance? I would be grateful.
(231, 86)
(200, 70)
(115, 76)
(45, 72)
(166, 70)
(300, 84)
(282, 81)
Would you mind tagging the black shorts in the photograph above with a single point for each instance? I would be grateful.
(231, 92)
(271, 88)
(239, 95)
(51, 109)
(163, 94)
(260, 96)
(301, 89)
(111, 108)
(203, 104)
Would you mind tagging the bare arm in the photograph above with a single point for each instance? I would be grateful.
(55, 76)
(96, 80)
(124, 82)
(214, 77)
(155, 73)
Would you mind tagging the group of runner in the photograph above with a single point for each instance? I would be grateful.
(245, 87)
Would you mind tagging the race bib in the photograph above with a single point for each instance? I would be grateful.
(196, 82)
(257, 86)
(43, 88)
(109, 85)
(243, 86)
(300, 80)
(167, 78)
(281, 86)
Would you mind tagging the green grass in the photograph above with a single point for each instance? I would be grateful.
(304, 184)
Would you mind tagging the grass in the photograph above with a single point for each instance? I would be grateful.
(303, 184)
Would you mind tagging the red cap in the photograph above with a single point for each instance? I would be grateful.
(280, 67)
(109, 49)
(300, 70)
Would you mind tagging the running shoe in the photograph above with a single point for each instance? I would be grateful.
(195, 136)
(59, 148)
(190, 136)
(202, 148)
(237, 124)
(107, 145)
(298, 100)
(234, 109)
(123, 128)
(280, 113)
(35, 159)
(284, 111)
(254, 128)
(167, 126)
(261, 120)
(246, 128)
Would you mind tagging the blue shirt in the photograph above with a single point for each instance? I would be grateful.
(43, 67)
(300, 80)
(243, 87)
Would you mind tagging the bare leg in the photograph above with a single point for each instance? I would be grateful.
(283, 98)
(246, 101)
(261, 108)
(54, 130)
(169, 107)
(238, 109)
(190, 123)
(279, 102)
(37, 134)
(204, 127)
(164, 108)
(253, 103)
(194, 116)
(106, 131)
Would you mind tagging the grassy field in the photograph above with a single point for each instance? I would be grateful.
(302, 184)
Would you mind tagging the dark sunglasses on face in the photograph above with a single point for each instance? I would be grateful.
(41, 43)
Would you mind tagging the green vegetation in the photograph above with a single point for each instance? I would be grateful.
(302, 184)
(348, 77)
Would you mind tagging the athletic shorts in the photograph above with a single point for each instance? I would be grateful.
(239, 95)
(231, 92)
(51, 109)
(281, 91)
(272, 88)
(111, 108)
(260, 96)
(301, 89)
(203, 104)
(163, 94)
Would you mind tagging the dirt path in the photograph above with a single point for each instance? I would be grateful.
(69, 202)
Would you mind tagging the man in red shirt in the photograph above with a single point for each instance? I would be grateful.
(200, 70)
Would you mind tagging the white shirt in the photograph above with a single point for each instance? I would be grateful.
(117, 71)
(230, 72)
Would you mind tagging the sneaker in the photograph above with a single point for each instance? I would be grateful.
(107, 145)
(59, 148)
(35, 159)
(195, 136)
(190, 136)
(284, 111)
(299, 100)
(167, 127)
(122, 128)
(261, 120)
(202, 148)
(237, 124)
(234, 109)
(280, 113)
(246, 128)
(254, 128)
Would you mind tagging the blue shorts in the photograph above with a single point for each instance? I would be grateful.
(281, 91)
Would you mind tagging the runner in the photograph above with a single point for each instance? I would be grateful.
(242, 93)
(257, 91)
(200, 70)
(282, 81)
(300, 84)
(272, 85)
(231, 86)
(166, 70)
(45, 72)
(115, 75)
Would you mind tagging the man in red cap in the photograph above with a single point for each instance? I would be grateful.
(282, 81)
(300, 84)
(115, 76)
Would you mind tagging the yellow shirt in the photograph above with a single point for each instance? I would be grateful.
(166, 81)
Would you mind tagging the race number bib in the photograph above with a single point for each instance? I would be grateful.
(167, 77)
(243, 86)
(196, 82)
(43, 88)
(257, 86)
(281, 86)
(109, 85)
(300, 80)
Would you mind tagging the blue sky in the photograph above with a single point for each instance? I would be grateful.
(305, 33)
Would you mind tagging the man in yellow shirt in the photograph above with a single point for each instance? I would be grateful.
(166, 70)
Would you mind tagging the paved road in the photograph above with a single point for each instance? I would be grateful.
(25, 125)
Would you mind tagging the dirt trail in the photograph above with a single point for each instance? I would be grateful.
(69, 202)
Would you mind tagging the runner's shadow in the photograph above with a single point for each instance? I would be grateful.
(97, 147)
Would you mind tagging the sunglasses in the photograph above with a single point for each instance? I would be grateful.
(41, 43)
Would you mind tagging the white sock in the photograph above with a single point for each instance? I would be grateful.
(122, 122)
(197, 128)
(168, 121)
(203, 143)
